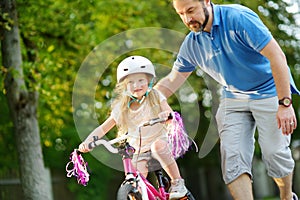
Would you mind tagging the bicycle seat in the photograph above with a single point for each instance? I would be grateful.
(153, 165)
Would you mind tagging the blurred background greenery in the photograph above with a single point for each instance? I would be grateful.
(56, 36)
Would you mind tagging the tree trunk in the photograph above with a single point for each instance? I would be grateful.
(23, 108)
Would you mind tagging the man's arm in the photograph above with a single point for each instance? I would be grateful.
(279, 68)
(169, 84)
(282, 81)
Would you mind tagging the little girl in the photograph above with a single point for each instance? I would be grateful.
(138, 102)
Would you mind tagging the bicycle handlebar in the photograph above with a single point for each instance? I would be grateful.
(109, 144)
(157, 120)
(105, 143)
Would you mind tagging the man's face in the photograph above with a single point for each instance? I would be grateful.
(191, 13)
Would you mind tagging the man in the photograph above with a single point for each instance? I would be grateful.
(233, 46)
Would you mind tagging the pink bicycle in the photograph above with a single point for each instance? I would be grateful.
(136, 186)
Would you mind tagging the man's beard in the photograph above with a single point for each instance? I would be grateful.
(194, 26)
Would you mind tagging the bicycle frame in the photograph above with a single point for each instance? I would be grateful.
(142, 182)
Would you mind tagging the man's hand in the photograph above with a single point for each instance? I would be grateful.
(286, 119)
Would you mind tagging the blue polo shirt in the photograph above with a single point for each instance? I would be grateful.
(230, 53)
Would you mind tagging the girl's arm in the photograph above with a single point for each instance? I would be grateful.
(99, 132)
(170, 83)
(166, 109)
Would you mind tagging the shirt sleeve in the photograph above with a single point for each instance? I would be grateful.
(183, 61)
(252, 30)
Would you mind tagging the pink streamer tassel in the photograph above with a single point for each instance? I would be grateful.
(79, 168)
(178, 137)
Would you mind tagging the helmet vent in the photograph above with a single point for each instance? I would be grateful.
(143, 66)
(126, 70)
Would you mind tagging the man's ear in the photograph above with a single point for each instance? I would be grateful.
(206, 3)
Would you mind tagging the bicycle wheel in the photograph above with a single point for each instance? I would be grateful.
(128, 192)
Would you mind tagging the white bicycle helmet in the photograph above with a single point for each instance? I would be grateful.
(133, 65)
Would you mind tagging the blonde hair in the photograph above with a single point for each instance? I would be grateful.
(122, 100)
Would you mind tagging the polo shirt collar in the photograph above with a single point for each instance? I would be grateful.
(216, 15)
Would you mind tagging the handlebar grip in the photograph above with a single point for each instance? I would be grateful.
(170, 116)
(92, 145)
(78, 152)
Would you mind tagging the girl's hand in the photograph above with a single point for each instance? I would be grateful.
(164, 115)
(83, 147)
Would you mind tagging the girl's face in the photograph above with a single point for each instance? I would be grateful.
(137, 84)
